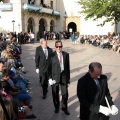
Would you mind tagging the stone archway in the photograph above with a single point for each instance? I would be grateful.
(52, 26)
(73, 20)
(72, 26)
(42, 25)
(31, 24)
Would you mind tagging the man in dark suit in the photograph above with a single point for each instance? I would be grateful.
(42, 60)
(60, 72)
(94, 96)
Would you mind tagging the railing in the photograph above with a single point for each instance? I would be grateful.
(56, 12)
(31, 7)
(46, 10)
(6, 6)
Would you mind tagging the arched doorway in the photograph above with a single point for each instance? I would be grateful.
(30, 25)
(72, 27)
(52, 26)
(42, 25)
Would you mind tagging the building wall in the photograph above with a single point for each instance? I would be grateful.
(6, 24)
(68, 12)
(85, 27)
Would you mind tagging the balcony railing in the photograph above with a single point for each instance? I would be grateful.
(56, 13)
(46, 10)
(6, 6)
(31, 7)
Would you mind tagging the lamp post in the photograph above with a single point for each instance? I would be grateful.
(13, 21)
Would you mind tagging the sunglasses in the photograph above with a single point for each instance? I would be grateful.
(58, 46)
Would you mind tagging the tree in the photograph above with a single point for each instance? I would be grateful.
(95, 9)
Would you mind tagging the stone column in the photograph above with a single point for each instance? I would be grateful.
(36, 30)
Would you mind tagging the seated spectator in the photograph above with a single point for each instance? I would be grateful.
(15, 111)
(25, 98)
(9, 107)
(118, 51)
(6, 51)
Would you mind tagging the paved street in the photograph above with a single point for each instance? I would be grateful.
(80, 57)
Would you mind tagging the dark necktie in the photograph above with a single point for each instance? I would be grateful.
(45, 51)
(98, 88)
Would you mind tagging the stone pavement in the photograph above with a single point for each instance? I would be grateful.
(80, 57)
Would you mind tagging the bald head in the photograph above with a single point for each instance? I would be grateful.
(94, 65)
(95, 70)
(43, 43)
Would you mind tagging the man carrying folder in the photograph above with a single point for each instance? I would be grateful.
(94, 96)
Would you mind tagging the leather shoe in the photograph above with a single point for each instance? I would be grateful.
(56, 110)
(66, 111)
(44, 97)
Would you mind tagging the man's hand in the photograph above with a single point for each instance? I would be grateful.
(37, 70)
(105, 110)
(54, 81)
(114, 110)
(51, 82)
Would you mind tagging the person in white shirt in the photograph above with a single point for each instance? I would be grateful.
(59, 76)
(32, 36)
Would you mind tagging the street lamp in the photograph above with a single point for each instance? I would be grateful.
(13, 21)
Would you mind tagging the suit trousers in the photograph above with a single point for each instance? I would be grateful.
(44, 82)
(64, 92)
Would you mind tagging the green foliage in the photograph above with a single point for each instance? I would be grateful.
(95, 9)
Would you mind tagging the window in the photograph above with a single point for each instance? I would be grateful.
(31, 1)
(51, 4)
(42, 2)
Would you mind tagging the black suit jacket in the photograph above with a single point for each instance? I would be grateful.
(91, 98)
(55, 70)
(41, 62)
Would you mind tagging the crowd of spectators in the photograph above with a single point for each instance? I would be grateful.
(54, 35)
(29, 37)
(14, 84)
(21, 38)
(103, 41)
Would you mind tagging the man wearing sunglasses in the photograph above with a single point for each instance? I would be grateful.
(60, 73)
(42, 59)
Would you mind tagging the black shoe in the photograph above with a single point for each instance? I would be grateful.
(66, 111)
(44, 97)
(31, 116)
(30, 106)
(56, 110)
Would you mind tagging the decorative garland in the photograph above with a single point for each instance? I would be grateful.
(41, 13)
